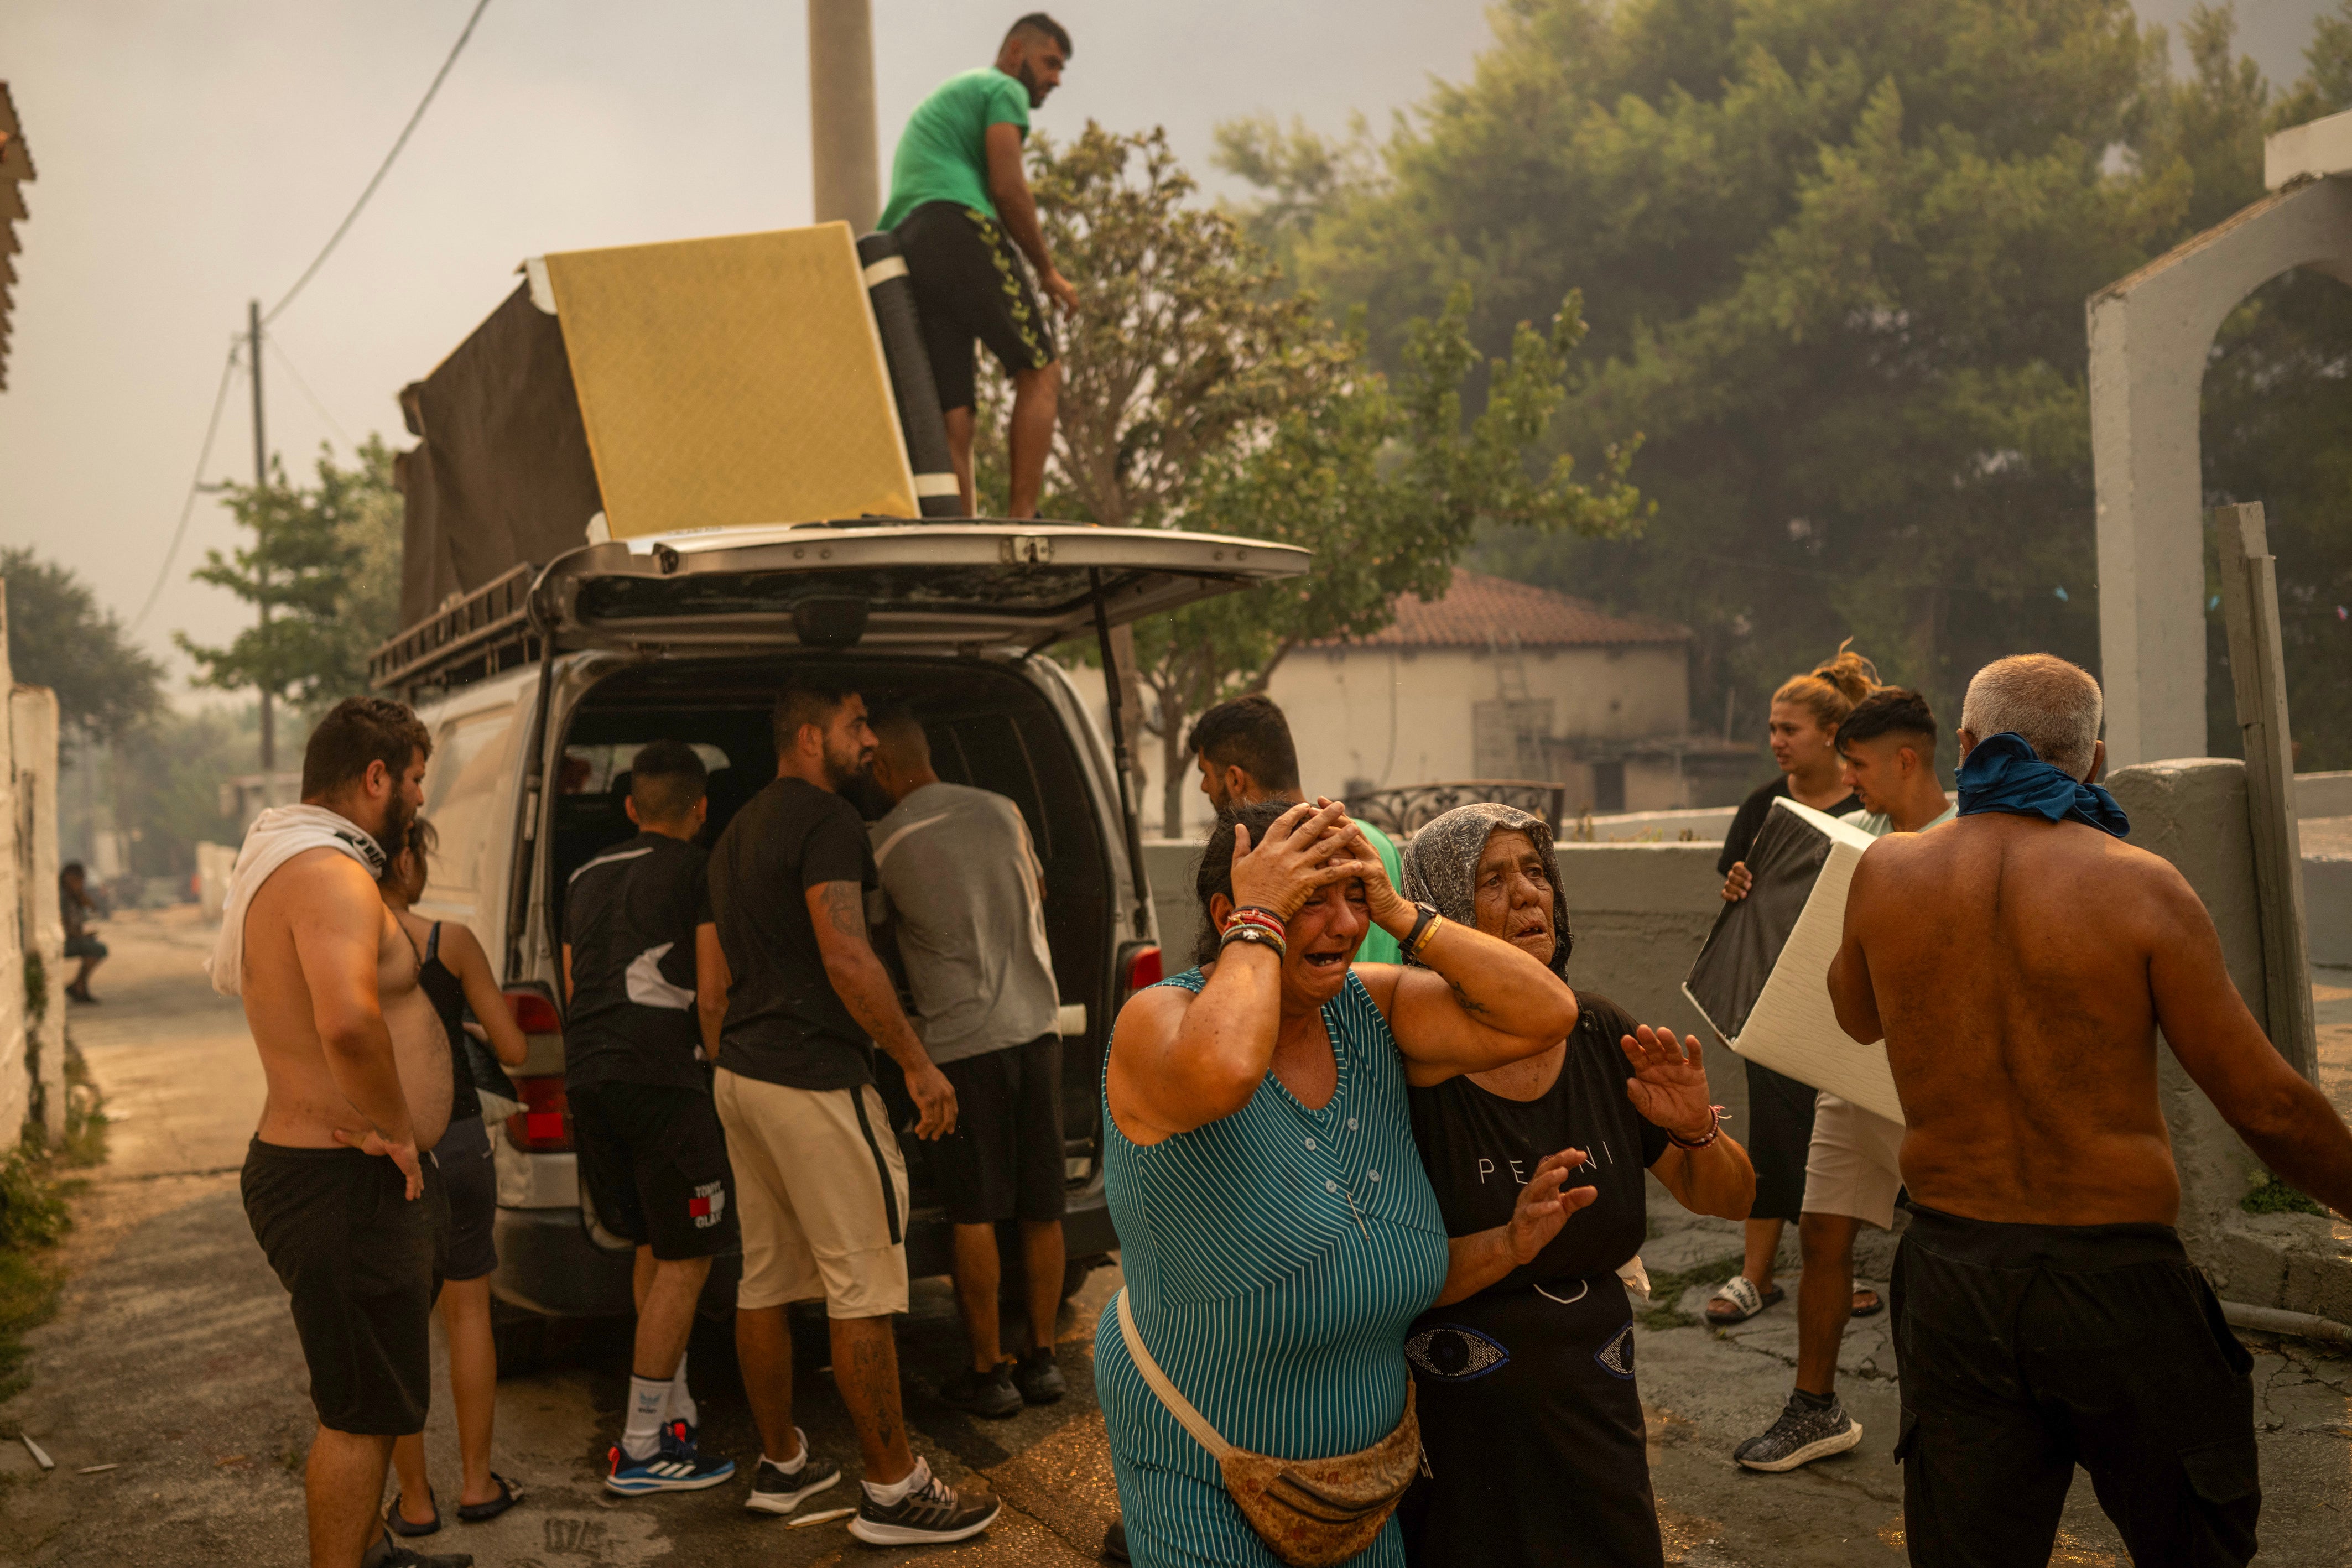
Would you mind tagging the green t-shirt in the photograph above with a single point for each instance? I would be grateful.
(943, 155)
(1378, 947)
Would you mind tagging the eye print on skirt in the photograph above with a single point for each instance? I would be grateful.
(1456, 1354)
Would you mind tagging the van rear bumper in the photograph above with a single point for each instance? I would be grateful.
(547, 1265)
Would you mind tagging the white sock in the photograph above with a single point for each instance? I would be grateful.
(895, 1492)
(642, 1436)
(800, 1461)
(681, 1406)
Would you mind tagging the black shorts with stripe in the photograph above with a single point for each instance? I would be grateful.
(971, 284)
(653, 1158)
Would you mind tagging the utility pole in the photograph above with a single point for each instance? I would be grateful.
(260, 567)
(842, 144)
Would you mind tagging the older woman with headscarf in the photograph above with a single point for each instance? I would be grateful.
(1525, 1366)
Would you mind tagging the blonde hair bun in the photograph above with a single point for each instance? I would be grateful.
(1832, 687)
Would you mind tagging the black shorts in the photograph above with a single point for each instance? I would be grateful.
(85, 946)
(1780, 1138)
(364, 1266)
(969, 283)
(1003, 1161)
(470, 1177)
(653, 1158)
(2025, 1350)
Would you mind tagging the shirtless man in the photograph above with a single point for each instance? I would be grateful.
(338, 1181)
(2019, 962)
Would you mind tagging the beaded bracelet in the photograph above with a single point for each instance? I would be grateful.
(1257, 919)
(1255, 935)
(1274, 915)
(1714, 1131)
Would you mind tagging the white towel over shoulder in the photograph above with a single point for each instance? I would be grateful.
(277, 836)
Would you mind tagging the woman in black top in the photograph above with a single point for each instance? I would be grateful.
(1524, 1369)
(1806, 713)
(455, 973)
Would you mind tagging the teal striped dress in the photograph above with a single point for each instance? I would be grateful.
(1274, 1259)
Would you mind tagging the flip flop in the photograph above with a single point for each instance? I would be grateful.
(400, 1526)
(508, 1495)
(1740, 1294)
(1868, 1304)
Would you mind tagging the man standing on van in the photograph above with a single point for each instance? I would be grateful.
(652, 1155)
(960, 203)
(1245, 753)
(338, 1183)
(961, 878)
(817, 1167)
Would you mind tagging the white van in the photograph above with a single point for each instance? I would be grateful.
(539, 686)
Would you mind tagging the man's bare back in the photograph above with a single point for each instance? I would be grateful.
(2019, 970)
(322, 956)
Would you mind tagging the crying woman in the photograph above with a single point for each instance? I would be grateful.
(1524, 1369)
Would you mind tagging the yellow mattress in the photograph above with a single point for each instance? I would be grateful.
(731, 382)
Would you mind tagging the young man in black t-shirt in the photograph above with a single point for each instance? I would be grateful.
(823, 1183)
(652, 1153)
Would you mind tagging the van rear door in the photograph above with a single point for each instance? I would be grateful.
(935, 586)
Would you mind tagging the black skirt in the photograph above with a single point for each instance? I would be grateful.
(1533, 1429)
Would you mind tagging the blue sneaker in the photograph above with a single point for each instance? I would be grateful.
(676, 1466)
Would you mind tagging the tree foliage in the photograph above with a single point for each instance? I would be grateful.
(1198, 393)
(60, 638)
(324, 562)
(1836, 254)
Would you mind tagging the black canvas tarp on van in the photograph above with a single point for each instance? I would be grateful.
(501, 473)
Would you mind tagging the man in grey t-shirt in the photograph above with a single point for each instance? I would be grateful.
(960, 879)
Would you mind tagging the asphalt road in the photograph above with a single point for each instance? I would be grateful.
(173, 1360)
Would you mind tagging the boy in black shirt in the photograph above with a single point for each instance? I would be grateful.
(651, 1150)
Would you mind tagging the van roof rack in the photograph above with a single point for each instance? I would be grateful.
(471, 637)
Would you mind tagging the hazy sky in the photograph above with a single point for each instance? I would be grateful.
(194, 155)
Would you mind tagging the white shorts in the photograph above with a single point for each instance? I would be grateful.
(822, 1189)
(1854, 1165)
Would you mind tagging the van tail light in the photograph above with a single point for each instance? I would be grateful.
(1143, 969)
(543, 1125)
(533, 1013)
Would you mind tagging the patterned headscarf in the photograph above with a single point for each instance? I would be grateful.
(1441, 866)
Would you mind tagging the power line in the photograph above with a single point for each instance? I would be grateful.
(312, 397)
(196, 487)
(353, 216)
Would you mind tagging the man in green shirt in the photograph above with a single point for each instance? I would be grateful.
(960, 205)
(1245, 754)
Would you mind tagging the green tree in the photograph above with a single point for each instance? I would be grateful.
(166, 786)
(1836, 254)
(1200, 394)
(58, 637)
(325, 564)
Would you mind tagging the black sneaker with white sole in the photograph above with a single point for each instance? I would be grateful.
(1800, 1436)
(989, 1394)
(931, 1511)
(776, 1489)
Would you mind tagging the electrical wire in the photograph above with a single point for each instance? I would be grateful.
(312, 397)
(353, 216)
(196, 487)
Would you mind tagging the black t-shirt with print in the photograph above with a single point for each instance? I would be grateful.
(785, 1023)
(629, 918)
(1480, 1148)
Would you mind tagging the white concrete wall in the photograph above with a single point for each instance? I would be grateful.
(33, 725)
(15, 1081)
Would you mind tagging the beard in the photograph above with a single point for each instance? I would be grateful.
(392, 833)
(844, 770)
(1028, 80)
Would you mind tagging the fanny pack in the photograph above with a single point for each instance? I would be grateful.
(1311, 1513)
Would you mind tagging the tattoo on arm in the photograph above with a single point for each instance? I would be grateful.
(1469, 1004)
(845, 910)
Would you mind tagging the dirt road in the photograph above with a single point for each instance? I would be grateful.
(173, 1360)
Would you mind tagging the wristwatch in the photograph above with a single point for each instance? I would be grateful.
(1419, 934)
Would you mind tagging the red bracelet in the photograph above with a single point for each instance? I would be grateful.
(1714, 1131)
(1261, 919)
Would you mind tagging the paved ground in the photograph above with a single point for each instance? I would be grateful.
(174, 1361)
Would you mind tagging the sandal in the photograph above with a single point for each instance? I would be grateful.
(1744, 1299)
(1868, 1304)
(400, 1526)
(508, 1495)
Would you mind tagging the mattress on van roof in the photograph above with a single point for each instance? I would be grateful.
(698, 383)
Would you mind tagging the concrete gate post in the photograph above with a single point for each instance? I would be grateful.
(2150, 334)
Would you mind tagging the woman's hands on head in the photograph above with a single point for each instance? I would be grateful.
(1302, 851)
(1668, 1088)
(1543, 1206)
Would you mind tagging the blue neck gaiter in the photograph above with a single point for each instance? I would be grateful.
(2003, 774)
